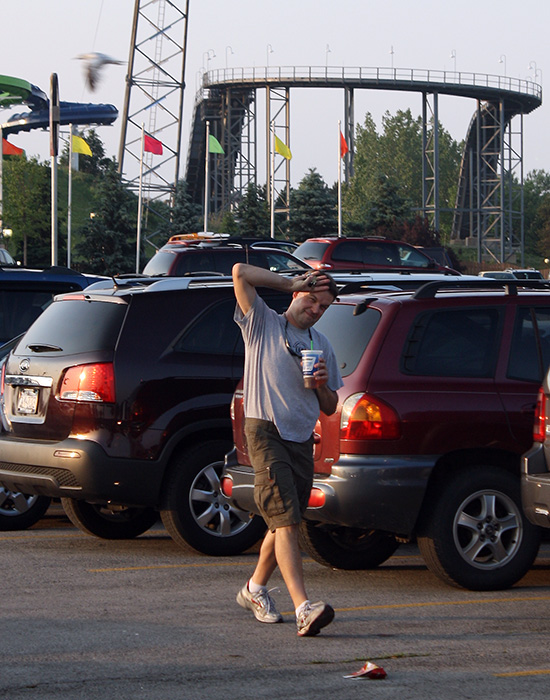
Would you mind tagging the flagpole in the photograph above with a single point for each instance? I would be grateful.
(70, 195)
(272, 183)
(138, 239)
(339, 179)
(206, 176)
(1, 189)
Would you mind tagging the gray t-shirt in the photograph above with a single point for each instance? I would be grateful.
(273, 383)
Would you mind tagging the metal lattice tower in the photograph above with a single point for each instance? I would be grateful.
(154, 96)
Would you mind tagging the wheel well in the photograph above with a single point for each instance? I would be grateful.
(455, 462)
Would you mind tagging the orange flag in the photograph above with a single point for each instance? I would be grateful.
(343, 146)
(8, 149)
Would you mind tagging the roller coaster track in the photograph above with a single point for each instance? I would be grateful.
(227, 99)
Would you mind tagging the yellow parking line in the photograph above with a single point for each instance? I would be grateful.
(481, 601)
(511, 674)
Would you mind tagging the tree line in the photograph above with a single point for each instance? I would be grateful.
(384, 198)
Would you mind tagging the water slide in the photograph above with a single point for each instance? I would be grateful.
(16, 91)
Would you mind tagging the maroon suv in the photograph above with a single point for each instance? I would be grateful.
(437, 407)
(372, 253)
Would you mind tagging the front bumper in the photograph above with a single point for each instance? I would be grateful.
(78, 469)
(535, 486)
(366, 492)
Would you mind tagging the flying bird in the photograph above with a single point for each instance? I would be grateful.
(93, 66)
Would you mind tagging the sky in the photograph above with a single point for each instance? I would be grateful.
(498, 37)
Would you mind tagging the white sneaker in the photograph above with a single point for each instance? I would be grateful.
(313, 618)
(261, 604)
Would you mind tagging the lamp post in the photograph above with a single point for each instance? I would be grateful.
(207, 57)
(230, 50)
(269, 49)
(327, 51)
(537, 71)
(453, 56)
(391, 54)
(502, 59)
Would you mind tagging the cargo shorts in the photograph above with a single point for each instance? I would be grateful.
(283, 473)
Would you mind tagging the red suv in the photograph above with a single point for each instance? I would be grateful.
(440, 386)
(340, 253)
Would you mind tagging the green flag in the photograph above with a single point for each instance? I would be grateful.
(214, 146)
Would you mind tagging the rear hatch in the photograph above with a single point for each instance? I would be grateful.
(63, 369)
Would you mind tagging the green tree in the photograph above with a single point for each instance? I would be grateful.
(27, 209)
(536, 188)
(108, 240)
(313, 208)
(392, 159)
(185, 217)
(253, 213)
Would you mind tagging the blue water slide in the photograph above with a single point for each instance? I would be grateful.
(70, 113)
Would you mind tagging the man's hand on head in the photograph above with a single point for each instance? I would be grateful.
(316, 280)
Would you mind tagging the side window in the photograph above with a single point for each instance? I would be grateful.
(411, 257)
(348, 251)
(453, 343)
(195, 261)
(530, 352)
(213, 332)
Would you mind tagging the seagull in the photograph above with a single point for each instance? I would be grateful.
(93, 65)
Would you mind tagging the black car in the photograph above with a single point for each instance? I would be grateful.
(117, 400)
(198, 257)
(24, 294)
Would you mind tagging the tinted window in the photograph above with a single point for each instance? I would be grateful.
(18, 309)
(411, 257)
(214, 331)
(273, 260)
(77, 326)
(311, 250)
(530, 352)
(159, 264)
(349, 334)
(453, 343)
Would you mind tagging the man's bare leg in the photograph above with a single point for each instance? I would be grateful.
(289, 559)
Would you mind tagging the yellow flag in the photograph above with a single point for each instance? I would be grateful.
(282, 149)
(80, 146)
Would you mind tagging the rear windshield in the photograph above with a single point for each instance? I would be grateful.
(310, 250)
(159, 264)
(76, 326)
(349, 334)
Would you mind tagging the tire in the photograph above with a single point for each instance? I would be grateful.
(197, 514)
(18, 511)
(477, 536)
(109, 522)
(346, 547)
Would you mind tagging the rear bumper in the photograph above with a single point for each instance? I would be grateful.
(367, 492)
(77, 469)
(535, 486)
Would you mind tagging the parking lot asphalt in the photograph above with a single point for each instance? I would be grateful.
(143, 620)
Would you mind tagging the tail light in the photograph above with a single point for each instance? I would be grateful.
(365, 417)
(89, 383)
(3, 378)
(539, 427)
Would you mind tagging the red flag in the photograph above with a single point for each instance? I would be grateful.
(8, 149)
(343, 146)
(152, 145)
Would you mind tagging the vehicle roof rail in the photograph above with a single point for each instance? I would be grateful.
(430, 289)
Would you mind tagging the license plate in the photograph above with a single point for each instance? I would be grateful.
(27, 402)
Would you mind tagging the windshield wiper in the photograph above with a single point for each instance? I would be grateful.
(44, 347)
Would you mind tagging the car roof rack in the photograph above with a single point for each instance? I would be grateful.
(430, 289)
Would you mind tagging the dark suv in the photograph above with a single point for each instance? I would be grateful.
(436, 410)
(341, 253)
(117, 400)
(24, 294)
(184, 257)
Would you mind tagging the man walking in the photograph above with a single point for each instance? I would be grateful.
(280, 415)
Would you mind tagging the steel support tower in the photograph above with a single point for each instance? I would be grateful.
(153, 101)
